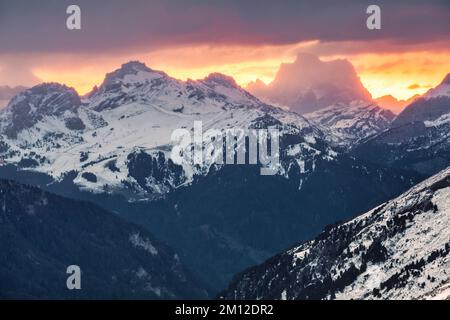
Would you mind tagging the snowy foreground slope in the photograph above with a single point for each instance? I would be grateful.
(399, 250)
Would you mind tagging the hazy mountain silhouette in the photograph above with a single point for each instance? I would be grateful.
(393, 104)
(309, 84)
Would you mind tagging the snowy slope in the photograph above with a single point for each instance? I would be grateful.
(443, 90)
(346, 124)
(399, 250)
(107, 136)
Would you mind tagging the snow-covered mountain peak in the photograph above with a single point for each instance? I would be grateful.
(48, 100)
(135, 66)
(134, 83)
(349, 123)
(133, 72)
(45, 99)
(48, 94)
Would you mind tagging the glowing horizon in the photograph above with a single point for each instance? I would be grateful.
(401, 75)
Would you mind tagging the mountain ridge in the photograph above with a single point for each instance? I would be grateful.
(42, 234)
(134, 110)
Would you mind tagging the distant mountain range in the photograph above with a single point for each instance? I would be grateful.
(391, 103)
(112, 147)
(399, 250)
(105, 136)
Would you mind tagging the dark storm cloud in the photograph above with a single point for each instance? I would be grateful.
(122, 25)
